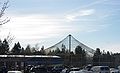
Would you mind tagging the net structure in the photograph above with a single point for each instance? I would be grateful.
(70, 43)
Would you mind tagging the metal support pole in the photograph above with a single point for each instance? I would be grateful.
(69, 43)
(69, 50)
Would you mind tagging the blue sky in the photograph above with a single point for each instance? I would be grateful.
(93, 22)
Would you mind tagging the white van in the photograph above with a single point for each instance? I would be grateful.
(100, 69)
(14, 72)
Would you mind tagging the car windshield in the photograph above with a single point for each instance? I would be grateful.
(38, 69)
(104, 68)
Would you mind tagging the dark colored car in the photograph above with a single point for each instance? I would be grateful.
(27, 69)
(57, 69)
(3, 69)
(38, 70)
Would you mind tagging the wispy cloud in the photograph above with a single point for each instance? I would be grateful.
(35, 26)
(87, 6)
(84, 10)
(74, 16)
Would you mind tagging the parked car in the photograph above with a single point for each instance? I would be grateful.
(66, 70)
(3, 69)
(81, 71)
(100, 69)
(27, 68)
(118, 68)
(74, 70)
(113, 70)
(14, 72)
(88, 67)
(38, 69)
(57, 69)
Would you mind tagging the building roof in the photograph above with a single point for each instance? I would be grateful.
(39, 56)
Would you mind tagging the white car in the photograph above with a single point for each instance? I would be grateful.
(113, 70)
(81, 71)
(119, 68)
(74, 70)
(14, 72)
(64, 70)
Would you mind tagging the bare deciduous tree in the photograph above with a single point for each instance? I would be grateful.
(3, 8)
(10, 38)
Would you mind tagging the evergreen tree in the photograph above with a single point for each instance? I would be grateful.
(97, 57)
(50, 53)
(22, 51)
(4, 47)
(57, 51)
(83, 53)
(108, 53)
(42, 51)
(1, 47)
(16, 49)
(18, 45)
(80, 56)
(33, 50)
(78, 50)
(28, 50)
(97, 52)
(63, 49)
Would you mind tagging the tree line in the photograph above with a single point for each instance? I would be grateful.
(78, 57)
(17, 49)
(106, 58)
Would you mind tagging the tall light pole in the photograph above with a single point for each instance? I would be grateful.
(69, 38)
(69, 43)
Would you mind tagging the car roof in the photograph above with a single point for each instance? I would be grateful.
(100, 66)
(14, 71)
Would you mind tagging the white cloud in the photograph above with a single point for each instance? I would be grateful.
(94, 30)
(87, 6)
(85, 10)
(81, 13)
(35, 26)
